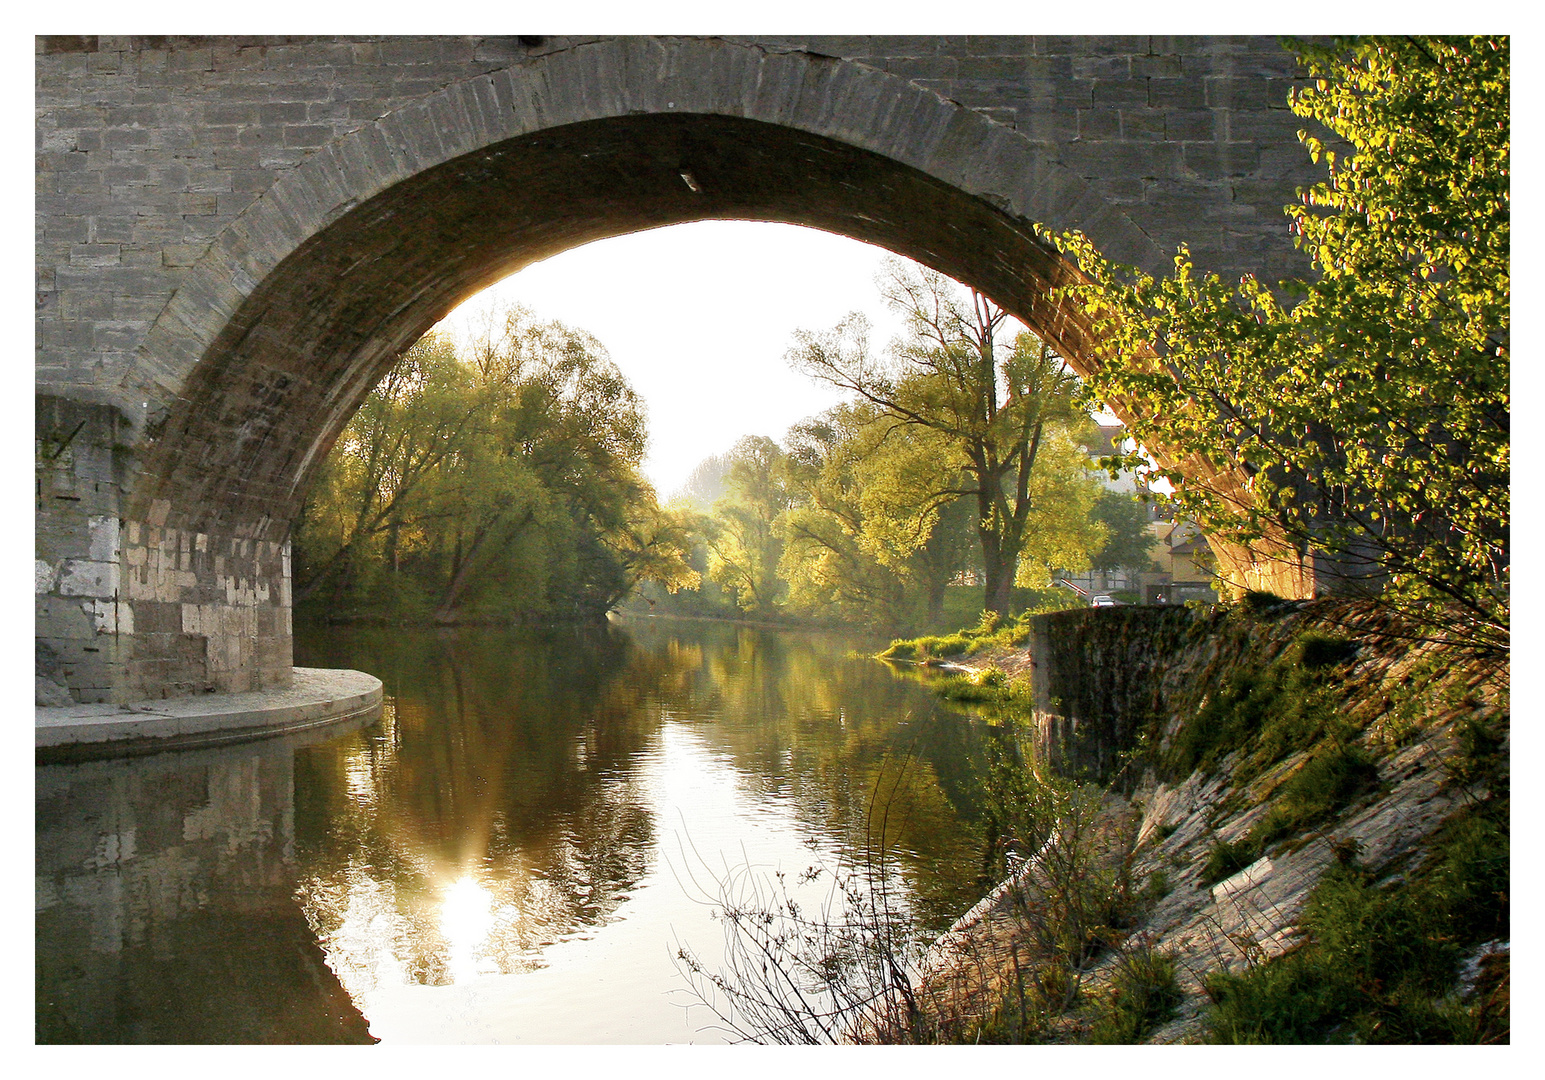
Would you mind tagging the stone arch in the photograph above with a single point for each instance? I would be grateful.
(301, 302)
(277, 334)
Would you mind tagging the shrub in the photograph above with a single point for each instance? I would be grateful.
(1331, 778)
(1142, 995)
(1377, 962)
(1276, 710)
(900, 650)
(1225, 859)
(1317, 651)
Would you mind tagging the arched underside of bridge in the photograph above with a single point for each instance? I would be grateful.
(261, 409)
(274, 339)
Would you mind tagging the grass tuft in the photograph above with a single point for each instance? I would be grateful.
(1143, 994)
(1378, 960)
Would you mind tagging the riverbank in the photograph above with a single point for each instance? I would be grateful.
(317, 697)
(1308, 786)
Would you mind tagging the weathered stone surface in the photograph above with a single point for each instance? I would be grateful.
(237, 236)
(51, 694)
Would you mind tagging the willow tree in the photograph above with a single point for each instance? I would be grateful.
(874, 529)
(994, 407)
(500, 481)
(1373, 414)
(743, 544)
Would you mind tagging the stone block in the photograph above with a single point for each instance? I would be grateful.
(1231, 92)
(58, 620)
(82, 577)
(79, 305)
(1156, 66)
(1177, 93)
(191, 60)
(1101, 122)
(1222, 161)
(95, 254)
(1143, 125)
(1101, 67)
(1120, 92)
(104, 539)
(1196, 125)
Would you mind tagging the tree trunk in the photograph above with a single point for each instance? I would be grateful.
(936, 589)
(999, 573)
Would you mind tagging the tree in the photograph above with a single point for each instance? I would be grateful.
(502, 482)
(947, 376)
(1061, 531)
(1372, 416)
(412, 422)
(866, 537)
(743, 545)
(1128, 542)
(705, 485)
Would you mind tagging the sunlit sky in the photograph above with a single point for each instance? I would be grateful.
(699, 317)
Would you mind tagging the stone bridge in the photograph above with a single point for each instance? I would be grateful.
(236, 237)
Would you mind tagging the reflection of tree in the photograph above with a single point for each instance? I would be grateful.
(507, 761)
(513, 759)
(840, 740)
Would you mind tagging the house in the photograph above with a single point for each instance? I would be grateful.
(1180, 551)
(1185, 564)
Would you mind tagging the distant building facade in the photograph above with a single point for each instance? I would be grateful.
(1185, 567)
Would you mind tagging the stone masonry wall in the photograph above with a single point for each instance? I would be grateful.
(136, 610)
(1098, 679)
(147, 148)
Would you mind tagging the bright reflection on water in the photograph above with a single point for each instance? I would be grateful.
(515, 852)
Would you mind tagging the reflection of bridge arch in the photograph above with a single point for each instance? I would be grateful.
(271, 338)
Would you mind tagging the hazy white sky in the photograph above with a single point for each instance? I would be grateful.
(698, 317)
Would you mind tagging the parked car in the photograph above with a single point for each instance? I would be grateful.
(1103, 600)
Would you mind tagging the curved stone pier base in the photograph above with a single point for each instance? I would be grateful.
(318, 697)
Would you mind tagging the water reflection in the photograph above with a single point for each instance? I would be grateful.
(164, 910)
(498, 859)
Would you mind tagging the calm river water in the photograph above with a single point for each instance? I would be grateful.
(513, 853)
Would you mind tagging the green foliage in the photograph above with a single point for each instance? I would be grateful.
(1143, 994)
(874, 531)
(1316, 651)
(1128, 541)
(990, 687)
(1378, 961)
(947, 646)
(901, 649)
(1333, 776)
(1227, 858)
(1286, 706)
(1263, 605)
(743, 543)
(503, 483)
(1371, 419)
(993, 415)
(1469, 876)
(1482, 756)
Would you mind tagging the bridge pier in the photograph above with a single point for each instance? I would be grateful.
(132, 608)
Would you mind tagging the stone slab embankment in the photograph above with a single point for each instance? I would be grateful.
(1165, 829)
(317, 697)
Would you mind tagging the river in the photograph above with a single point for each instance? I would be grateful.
(514, 853)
